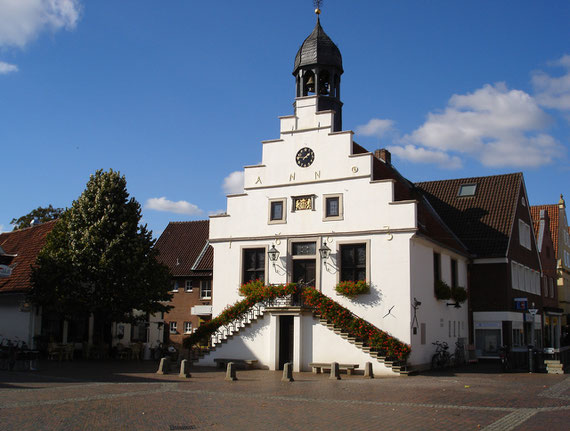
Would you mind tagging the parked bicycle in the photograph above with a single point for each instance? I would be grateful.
(459, 354)
(442, 357)
(504, 354)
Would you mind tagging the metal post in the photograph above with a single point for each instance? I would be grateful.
(533, 312)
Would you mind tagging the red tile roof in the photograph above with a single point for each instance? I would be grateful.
(184, 248)
(483, 221)
(26, 244)
(553, 212)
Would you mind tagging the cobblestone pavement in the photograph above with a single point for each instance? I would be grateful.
(130, 396)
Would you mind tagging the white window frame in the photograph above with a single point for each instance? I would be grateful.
(203, 289)
(173, 327)
(283, 218)
(187, 327)
(340, 215)
(366, 242)
(241, 262)
(188, 286)
(465, 187)
(524, 235)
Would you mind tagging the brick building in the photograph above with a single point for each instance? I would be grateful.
(185, 249)
(552, 312)
(491, 216)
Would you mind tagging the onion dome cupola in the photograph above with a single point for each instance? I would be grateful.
(318, 66)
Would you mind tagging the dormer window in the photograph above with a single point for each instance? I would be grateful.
(467, 190)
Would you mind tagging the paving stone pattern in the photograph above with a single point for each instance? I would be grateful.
(131, 396)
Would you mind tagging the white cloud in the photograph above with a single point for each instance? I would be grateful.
(216, 212)
(179, 207)
(376, 127)
(554, 92)
(22, 20)
(2, 228)
(6, 68)
(497, 126)
(233, 183)
(422, 155)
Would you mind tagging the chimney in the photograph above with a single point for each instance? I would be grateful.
(384, 155)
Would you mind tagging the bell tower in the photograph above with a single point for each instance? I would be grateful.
(318, 67)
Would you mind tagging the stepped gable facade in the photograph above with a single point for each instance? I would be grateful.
(561, 243)
(316, 190)
(184, 248)
(552, 327)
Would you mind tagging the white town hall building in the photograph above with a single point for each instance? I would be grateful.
(316, 189)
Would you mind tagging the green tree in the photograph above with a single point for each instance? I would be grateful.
(40, 213)
(98, 259)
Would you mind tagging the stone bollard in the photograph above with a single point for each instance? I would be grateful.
(368, 370)
(335, 373)
(231, 372)
(184, 369)
(164, 367)
(288, 372)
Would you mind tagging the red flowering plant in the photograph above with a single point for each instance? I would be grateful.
(352, 288)
(378, 340)
(256, 291)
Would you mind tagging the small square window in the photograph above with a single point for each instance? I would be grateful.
(187, 327)
(332, 207)
(467, 190)
(173, 328)
(277, 211)
(188, 286)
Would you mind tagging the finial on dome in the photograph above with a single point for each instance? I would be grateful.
(317, 4)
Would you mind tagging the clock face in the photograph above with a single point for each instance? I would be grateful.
(305, 157)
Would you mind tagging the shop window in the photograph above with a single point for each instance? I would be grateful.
(487, 342)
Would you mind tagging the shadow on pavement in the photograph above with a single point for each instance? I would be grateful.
(101, 371)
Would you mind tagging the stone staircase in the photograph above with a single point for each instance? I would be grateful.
(554, 367)
(397, 367)
(226, 333)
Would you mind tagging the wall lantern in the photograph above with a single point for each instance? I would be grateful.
(325, 251)
(273, 254)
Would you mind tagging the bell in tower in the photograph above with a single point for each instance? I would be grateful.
(318, 67)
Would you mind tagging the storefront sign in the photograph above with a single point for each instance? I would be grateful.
(521, 303)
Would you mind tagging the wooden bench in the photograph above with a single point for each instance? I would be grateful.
(239, 363)
(318, 366)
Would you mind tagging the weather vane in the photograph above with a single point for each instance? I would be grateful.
(317, 4)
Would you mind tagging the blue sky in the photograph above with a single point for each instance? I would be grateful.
(177, 95)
